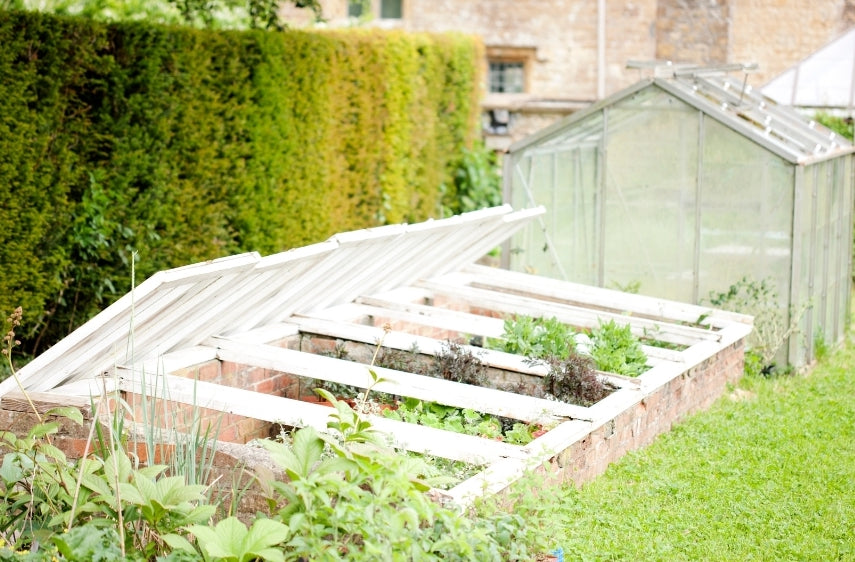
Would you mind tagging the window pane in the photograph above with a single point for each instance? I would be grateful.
(507, 77)
(390, 9)
(354, 8)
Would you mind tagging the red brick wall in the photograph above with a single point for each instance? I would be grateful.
(228, 427)
(639, 425)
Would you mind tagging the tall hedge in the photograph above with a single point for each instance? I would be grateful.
(182, 145)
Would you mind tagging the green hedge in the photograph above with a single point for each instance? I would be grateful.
(184, 145)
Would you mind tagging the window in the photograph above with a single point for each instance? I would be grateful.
(390, 9)
(354, 8)
(507, 77)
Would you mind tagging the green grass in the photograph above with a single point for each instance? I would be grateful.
(768, 473)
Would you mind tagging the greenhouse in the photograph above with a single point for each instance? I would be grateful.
(685, 185)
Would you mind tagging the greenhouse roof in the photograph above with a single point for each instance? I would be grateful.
(823, 80)
(729, 100)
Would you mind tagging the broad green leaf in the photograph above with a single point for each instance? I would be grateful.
(69, 412)
(152, 471)
(304, 452)
(52, 452)
(117, 468)
(97, 484)
(43, 429)
(177, 542)
(336, 464)
(10, 470)
(223, 541)
(178, 491)
(263, 534)
(269, 554)
(130, 494)
(201, 513)
(326, 395)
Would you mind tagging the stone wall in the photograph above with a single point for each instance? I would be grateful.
(561, 39)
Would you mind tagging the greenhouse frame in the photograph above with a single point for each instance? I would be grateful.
(685, 185)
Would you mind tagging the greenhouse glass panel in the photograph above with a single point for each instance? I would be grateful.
(804, 228)
(833, 303)
(650, 209)
(820, 293)
(684, 186)
(746, 213)
(844, 254)
(563, 175)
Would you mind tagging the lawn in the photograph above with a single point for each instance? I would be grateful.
(768, 473)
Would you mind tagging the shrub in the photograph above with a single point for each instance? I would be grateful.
(345, 497)
(184, 145)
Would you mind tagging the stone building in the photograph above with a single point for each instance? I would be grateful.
(547, 58)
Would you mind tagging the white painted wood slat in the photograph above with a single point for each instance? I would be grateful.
(574, 315)
(585, 295)
(275, 409)
(398, 383)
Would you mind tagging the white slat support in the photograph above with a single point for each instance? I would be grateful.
(462, 322)
(404, 342)
(565, 292)
(338, 322)
(275, 409)
(513, 304)
(496, 402)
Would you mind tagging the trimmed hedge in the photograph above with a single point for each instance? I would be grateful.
(184, 145)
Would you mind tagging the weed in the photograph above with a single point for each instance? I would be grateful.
(574, 379)
(457, 363)
(820, 346)
(613, 348)
(462, 420)
(771, 329)
(407, 361)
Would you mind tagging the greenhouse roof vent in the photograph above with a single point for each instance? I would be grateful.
(717, 92)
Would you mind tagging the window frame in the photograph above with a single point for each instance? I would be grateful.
(524, 56)
(400, 10)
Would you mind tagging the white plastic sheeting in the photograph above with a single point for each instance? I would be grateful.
(823, 80)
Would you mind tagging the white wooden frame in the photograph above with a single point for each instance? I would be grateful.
(237, 309)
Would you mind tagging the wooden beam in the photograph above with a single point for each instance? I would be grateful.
(44, 402)
(275, 409)
(404, 342)
(399, 383)
(555, 290)
(574, 315)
